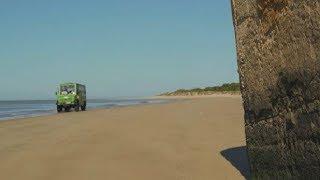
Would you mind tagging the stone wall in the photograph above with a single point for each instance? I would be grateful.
(278, 49)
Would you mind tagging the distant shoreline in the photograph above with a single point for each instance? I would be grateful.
(224, 89)
(194, 95)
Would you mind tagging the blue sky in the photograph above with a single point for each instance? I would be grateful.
(118, 48)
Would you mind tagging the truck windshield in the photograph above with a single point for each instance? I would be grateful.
(67, 89)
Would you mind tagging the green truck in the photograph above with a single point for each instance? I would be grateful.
(71, 95)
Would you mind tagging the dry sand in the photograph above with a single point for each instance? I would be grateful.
(196, 139)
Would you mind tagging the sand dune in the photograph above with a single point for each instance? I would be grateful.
(198, 139)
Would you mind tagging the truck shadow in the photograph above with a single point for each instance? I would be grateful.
(239, 159)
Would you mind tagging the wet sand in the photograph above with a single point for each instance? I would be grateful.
(196, 139)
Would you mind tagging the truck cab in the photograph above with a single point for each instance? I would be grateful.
(71, 95)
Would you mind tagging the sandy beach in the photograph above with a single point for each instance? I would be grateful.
(194, 139)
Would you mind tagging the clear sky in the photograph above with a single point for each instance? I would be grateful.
(118, 48)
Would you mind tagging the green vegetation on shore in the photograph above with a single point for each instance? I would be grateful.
(232, 88)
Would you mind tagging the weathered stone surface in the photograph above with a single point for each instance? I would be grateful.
(278, 48)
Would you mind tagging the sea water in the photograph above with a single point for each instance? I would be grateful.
(30, 108)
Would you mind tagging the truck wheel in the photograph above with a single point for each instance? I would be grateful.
(83, 107)
(59, 108)
(77, 107)
(67, 109)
